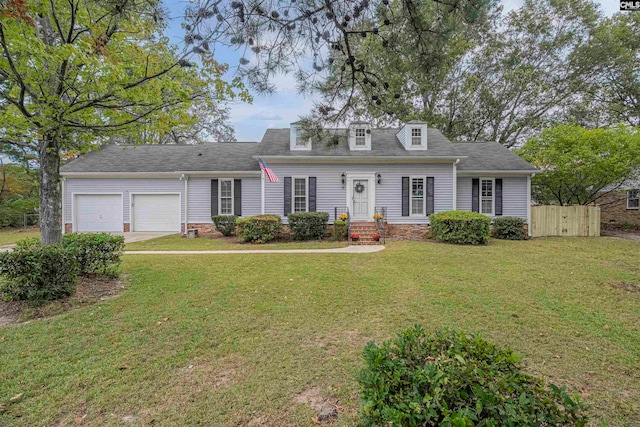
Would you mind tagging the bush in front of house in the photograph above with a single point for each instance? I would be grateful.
(226, 224)
(38, 273)
(308, 225)
(259, 228)
(460, 227)
(449, 378)
(96, 253)
(339, 230)
(509, 228)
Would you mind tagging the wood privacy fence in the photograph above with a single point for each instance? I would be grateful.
(578, 220)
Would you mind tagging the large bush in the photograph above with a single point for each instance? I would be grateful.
(308, 225)
(509, 228)
(460, 227)
(339, 230)
(451, 379)
(12, 212)
(96, 253)
(38, 273)
(226, 224)
(259, 228)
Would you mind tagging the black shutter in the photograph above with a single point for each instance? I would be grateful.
(475, 195)
(287, 195)
(498, 192)
(312, 194)
(405, 196)
(237, 197)
(214, 197)
(430, 200)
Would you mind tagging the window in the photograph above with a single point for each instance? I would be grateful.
(416, 136)
(417, 196)
(360, 137)
(300, 142)
(300, 195)
(633, 199)
(226, 197)
(486, 196)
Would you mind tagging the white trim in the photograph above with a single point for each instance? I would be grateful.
(493, 196)
(233, 208)
(455, 185)
(93, 193)
(176, 174)
(424, 196)
(186, 204)
(131, 194)
(635, 208)
(64, 202)
(497, 173)
(361, 159)
(262, 196)
(528, 205)
(293, 192)
(371, 176)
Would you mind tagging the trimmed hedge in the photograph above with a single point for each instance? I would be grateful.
(38, 273)
(96, 253)
(509, 228)
(460, 227)
(259, 228)
(339, 230)
(451, 379)
(226, 224)
(308, 225)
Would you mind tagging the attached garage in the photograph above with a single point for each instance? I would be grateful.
(98, 212)
(155, 212)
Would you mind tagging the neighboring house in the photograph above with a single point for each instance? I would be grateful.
(408, 173)
(621, 207)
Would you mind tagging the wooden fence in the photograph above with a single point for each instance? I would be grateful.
(578, 220)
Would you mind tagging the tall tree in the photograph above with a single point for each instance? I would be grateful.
(75, 72)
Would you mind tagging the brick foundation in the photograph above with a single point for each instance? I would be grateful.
(68, 228)
(614, 213)
(407, 231)
(127, 228)
(204, 229)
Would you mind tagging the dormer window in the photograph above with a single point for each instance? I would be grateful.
(361, 139)
(300, 142)
(416, 137)
(360, 136)
(297, 141)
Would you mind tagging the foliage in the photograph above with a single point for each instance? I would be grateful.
(355, 236)
(581, 165)
(96, 253)
(509, 228)
(18, 194)
(308, 225)
(460, 227)
(449, 378)
(339, 230)
(226, 224)
(35, 273)
(259, 228)
(343, 216)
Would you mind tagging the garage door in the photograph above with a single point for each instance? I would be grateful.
(155, 212)
(98, 212)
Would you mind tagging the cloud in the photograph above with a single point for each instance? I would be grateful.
(266, 115)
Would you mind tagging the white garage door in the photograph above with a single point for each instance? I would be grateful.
(98, 212)
(155, 212)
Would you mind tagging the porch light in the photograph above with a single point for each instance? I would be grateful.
(379, 177)
(343, 178)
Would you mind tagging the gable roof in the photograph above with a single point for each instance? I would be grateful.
(490, 156)
(223, 157)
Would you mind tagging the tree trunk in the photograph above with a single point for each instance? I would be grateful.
(50, 195)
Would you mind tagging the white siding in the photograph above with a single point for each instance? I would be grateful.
(331, 193)
(200, 198)
(514, 196)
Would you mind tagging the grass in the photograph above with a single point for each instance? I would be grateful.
(231, 340)
(176, 242)
(12, 235)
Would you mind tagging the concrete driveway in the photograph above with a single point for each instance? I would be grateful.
(141, 236)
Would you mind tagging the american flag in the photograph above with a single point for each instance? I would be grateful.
(270, 174)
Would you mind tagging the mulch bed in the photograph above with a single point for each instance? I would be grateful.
(91, 289)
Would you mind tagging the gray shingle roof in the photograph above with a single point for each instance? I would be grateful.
(489, 156)
(383, 143)
(168, 158)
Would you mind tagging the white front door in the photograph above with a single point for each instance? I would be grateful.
(361, 198)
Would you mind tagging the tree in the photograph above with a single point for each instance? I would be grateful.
(579, 166)
(75, 72)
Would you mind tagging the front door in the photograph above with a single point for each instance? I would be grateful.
(360, 199)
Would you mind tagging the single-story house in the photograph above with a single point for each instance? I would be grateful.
(621, 208)
(406, 173)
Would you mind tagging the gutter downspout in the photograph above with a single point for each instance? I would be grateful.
(186, 202)
(64, 199)
(455, 184)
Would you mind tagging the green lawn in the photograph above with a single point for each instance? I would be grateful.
(175, 242)
(12, 235)
(246, 334)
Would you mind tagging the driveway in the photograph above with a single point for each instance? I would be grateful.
(621, 234)
(141, 236)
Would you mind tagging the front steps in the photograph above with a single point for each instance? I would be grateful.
(366, 230)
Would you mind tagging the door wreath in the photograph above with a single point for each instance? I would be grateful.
(359, 188)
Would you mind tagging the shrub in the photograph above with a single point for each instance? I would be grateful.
(259, 228)
(509, 228)
(226, 224)
(449, 378)
(339, 230)
(96, 253)
(308, 225)
(460, 227)
(38, 273)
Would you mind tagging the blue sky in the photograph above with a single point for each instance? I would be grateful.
(286, 105)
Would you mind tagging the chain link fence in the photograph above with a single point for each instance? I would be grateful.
(31, 220)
